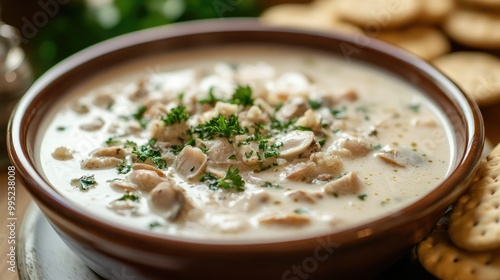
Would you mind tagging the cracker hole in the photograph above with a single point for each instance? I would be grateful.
(455, 260)
(488, 262)
(473, 271)
(496, 205)
(497, 220)
(483, 233)
(476, 223)
(493, 192)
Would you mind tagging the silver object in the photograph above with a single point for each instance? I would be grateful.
(15, 77)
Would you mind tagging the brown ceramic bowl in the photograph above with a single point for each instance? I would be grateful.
(361, 252)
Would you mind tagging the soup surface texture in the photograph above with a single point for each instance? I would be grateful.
(244, 143)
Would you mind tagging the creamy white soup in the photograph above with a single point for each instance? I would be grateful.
(244, 143)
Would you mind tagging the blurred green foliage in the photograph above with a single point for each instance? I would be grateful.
(80, 24)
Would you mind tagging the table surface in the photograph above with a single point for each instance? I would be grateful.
(491, 116)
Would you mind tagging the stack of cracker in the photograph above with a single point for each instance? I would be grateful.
(468, 246)
(423, 27)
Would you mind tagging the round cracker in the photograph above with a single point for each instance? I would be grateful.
(494, 4)
(475, 221)
(477, 73)
(473, 28)
(442, 258)
(435, 11)
(319, 16)
(425, 42)
(379, 14)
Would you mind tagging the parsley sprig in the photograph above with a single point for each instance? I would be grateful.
(220, 127)
(148, 151)
(176, 115)
(85, 182)
(242, 96)
(232, 180)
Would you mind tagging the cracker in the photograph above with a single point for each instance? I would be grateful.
(425, 42)
(475, 221)
(474, 28)
(379, 14)
(477, 73)
(317, 16)
(435, 11)
(494, 4)
(442, 258)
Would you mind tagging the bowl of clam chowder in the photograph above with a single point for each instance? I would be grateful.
(233, 150)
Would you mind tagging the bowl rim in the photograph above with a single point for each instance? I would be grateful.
(44, 193)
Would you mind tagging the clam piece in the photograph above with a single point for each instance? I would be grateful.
(190, 163)
(355, 147)
(79, 107)
(219, 150)
(144, 166)
(168, 200)
(114, 152)
(100, 163)
(145, 180)
(93, 125)
(303, 196)
(295, 143)
(400, 157)
(293, 220)
(103, 100)
(348, 184)
(309, 119)
(62, 153)
(300, 172)
(295, 107)
(123, 207)
(122, 185)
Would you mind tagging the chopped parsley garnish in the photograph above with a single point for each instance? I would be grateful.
(242, 96)
(124, 167)
(220, 127)
(314, 104)
(232, 157)
(176, 149)
(85, 182)
(176, 115)
(211, 99)
(232, 180)
(339, 113)
(154, 224)
(300, 211)
(414, 107)
(281, 126)
(270, 185)
(362, 197)
(112, 141)
(149, 151)
(139, 116)
(322, 142)
(363, 110)
(377, 147)
(303, 128)
(61, 128)
(130, 196)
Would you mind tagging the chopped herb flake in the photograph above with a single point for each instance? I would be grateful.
(85, 182)
(232, 181)
(176, 115)
(362, 197)
(414, 107)
(242, 96)
(130, 196)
